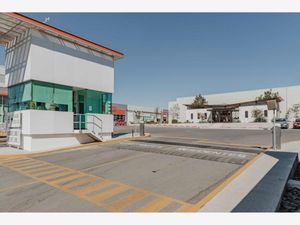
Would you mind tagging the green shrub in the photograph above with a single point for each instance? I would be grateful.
(260, 120)
(174, 121)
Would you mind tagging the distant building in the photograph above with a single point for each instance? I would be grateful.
(134, 114)
(234, 106)
(119, 111)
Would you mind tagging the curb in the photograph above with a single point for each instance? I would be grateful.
(216, 128)
(73, 147)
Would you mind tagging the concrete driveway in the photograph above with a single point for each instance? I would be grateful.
(152, 174)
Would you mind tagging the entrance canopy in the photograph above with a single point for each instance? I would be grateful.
(13, 25)
(222, 107)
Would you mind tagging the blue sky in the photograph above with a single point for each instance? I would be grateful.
(173, 55)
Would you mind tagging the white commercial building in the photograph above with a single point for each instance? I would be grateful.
(234, 106)
(59, 85)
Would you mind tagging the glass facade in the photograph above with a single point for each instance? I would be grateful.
(91, 101)
(40, 95)
(48, 96)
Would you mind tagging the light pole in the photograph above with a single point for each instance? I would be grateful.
(273, 105)
(274, 130)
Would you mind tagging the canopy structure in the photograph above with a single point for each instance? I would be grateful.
(234, 105)
(13, 25)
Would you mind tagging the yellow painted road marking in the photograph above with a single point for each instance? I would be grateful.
(96, 187)
(78, 183)
(17, 159)
(69, 178)
(18, 163)
(31, 166)
(118, 205)
(109, 193)
(81, 146)
(155, 205)
(56, 176)
(35, 167)
(36, 170)
(47, 172)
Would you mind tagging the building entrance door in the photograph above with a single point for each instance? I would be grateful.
(79, 110)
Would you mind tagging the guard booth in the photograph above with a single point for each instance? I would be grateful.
(59, 83)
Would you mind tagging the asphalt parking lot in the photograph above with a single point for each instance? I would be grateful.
(167, 172)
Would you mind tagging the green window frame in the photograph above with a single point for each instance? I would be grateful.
(41, 96)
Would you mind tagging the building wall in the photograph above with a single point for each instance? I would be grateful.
(290, 95)
(250, 110)
(39, 56)
(197, 115)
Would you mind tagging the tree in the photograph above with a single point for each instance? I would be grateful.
(294, 111)
(268, 95)
(258, 115)
(198, 102)
(174, 112)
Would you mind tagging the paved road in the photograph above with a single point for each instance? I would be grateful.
(171, 171)
(233, 136)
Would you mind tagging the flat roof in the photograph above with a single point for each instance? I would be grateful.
(234, 105)
(14, 24)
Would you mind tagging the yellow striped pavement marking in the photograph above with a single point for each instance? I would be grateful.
(109, 193)
(18, 163)
(96, 187)
(43, 168)
(68, 178)
(55, 176)
(119, 205)
(155, 205)
(79, 183)
(58, 175)
(30, 166)
(47, 172)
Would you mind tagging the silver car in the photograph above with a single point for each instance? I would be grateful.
(284, 124)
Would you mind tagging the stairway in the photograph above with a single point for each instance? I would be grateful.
(89, 124)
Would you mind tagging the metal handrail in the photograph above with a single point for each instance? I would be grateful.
(88, 122)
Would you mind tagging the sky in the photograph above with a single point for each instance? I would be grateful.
(171, 55)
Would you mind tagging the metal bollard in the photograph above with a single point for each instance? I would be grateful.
(276, 139)
(142, 129)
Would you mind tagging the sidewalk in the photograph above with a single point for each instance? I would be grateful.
(10, 151)
(255, 126)
(260, 186)
(292, 147)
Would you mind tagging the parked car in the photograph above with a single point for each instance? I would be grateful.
(296, 124)
(120, 123)
(284, 123)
